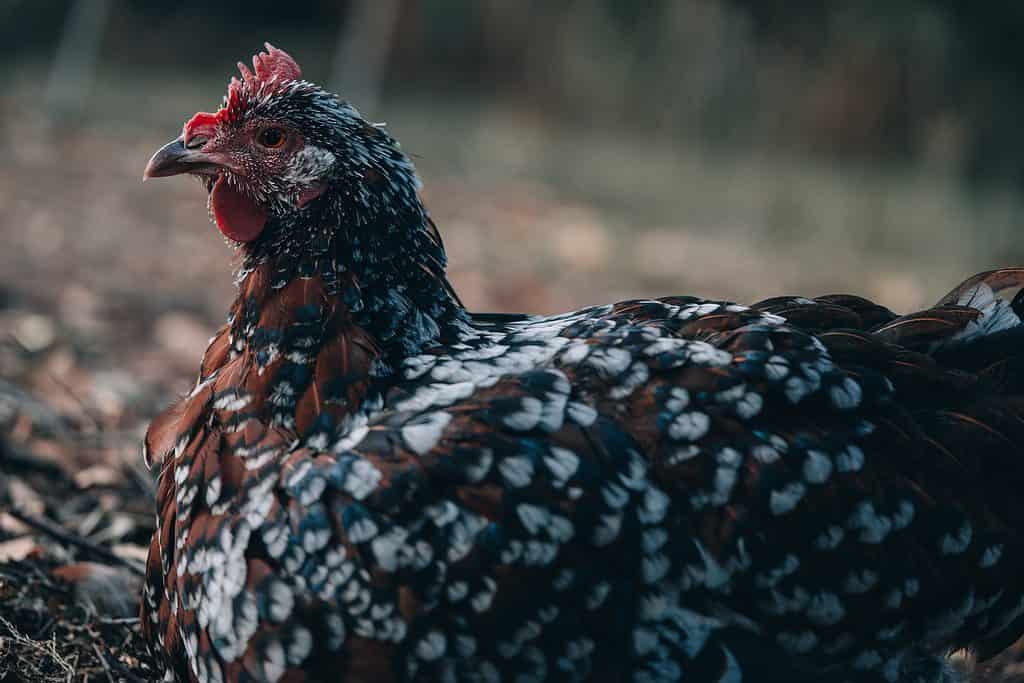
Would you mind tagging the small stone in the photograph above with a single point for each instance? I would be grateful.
(16, 549)
(24, 497)
(97, 475)
(35, 332)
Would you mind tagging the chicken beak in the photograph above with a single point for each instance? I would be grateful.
(174, 159)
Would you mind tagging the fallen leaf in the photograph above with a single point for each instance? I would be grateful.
(16, 549)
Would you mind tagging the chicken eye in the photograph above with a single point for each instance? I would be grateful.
(271, 137)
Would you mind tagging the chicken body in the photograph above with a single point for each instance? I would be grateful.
(369, 483)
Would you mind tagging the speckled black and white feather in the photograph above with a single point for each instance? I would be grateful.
(369, 483)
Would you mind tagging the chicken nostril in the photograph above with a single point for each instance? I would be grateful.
(196, 141)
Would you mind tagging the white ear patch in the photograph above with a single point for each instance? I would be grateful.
(310, 164)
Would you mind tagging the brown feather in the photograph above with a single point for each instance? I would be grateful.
(927, 326)
(870, 313)
(217, 352)
(999, 280)
(177, 420)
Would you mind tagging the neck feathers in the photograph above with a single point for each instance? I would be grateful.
(331, 299)
(316, 333)
(292, 356)
(369, 243)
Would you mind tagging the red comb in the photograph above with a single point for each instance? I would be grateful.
(270, 69)
(271, 65)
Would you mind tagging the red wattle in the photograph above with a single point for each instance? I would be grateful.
(237, 216)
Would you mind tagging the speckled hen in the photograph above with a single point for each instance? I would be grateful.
(370, 483)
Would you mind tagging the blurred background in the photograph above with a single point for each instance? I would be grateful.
(573, 152)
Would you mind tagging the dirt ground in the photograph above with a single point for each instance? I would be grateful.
(109, 290)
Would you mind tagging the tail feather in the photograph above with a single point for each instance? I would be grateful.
(996, 281)
(929, 327)
(991, 345)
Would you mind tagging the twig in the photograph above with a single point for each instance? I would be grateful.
(364, 45)
(27, 462)
(114, 667)
(117, 621)
(74, 65)
(103, 661)
(49, 649)
(61, 534)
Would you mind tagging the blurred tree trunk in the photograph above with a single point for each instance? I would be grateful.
(74, 64)
(364, 46)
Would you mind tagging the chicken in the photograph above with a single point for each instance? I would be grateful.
(371, 483)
